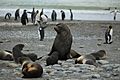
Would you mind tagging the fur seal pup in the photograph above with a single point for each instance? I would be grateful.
(86, 59)
(30, 69)
(6, 55)
(73, 54)
(32, 56)
(63, 41)
(52, 59)
(17, 52)
(101, 54)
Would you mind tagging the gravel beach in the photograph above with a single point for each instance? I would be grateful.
(88, 36)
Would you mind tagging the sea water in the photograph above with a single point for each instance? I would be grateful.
(77, 14)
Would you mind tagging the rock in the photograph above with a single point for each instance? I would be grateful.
(106, 75)
(57, 79)
(49, 67)
(56, 73)
(86, 76)
(56, 65)
(117, 69)
(18, 69)
(52, 73)
(68, 72)
(7, 41)
(99, 39)
(87, 67)
(99, 44)
(60, 62)
(81, 47)
(75, 75)
(115, 65)
(73, 69)
(95, 76)
(46, 76)
(18, 78)
(1, 41)
(59, 73)
(59, 69)
(66, 65)
(115, 74)
(99, 69)
(118, 49)
(77, 65)
(18, 74)
(49, 71)
(12, 65)
(102, 62)
(108, 68)
(70, 61)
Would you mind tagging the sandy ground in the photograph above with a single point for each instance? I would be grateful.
(88, 36)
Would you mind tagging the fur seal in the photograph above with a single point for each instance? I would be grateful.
(63, 41)
(17, 52)
(6, 55)
(73, 54)
(101, 54)
(30, 69)
(86, 59)
(32, 56)
(52, 59)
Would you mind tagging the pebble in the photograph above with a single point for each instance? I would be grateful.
(67, 70)
(106, 75)
(102, 62)
(95, 76)
(118, 49)
(70, 61)
(18, 78)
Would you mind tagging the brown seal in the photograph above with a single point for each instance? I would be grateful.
(52, 59)
(6, 55)
(73, 54)
(17, 52)
(101, 54)
(86, 59)
(30, 69)
(63, 41)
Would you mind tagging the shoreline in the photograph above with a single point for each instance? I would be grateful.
(77, 14)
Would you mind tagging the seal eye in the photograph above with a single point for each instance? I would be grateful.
(32, 65)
